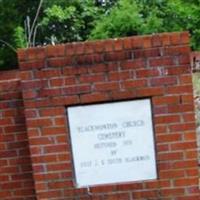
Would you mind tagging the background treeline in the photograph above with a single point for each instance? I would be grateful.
(61, 21)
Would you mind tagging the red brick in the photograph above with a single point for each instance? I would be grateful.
(165, 39)
(170, 156)
(55, 51)
(177, 70)
(137, 42)
(183, 145)
(70, 81)
(36, 53)
(108, 45)
(34, 64)
(133, 64)
(99, 68)
(49, 194)
(91, 78)
(123, 94)
(21, 54)
(172, 174)
(184, 164)
(64, 157)
(188, 117)
(57, 82)
(59, 167)
(117, 197)
(186, 79)
(167, 119)
(50, 92)
(181, 89)
(172, 192)
(41, 141)
(192, 172)
(166, 100)
(60, 184)
(5, 86)
(33, 132)
(163, 81)
(191, 154)
(187, 98)
(118, 45)
(65, 100)
(160, 110)
(99, 47)
(147, 42)
(59, 62)
(185, 59)
(68, 71)
(95, 97)
(16, 185)
(193, 197)
(39, 122)
(175, 39)
(34, 84)
(60, 121)
(133, 186)
(162, 61)
(55, 149)
(127, 43)
(52, 112)
(177, 50)
(167, 138)
(185, 39)
(185, 182)
(147, 53)
(190, 136)
(147, 73)
(106, 86)
(29, 94)
(79, 89)
(89, 47)
(156, 41)
(132, 84)
(117, 56)
(182, 127)
(49, 176)
(46, 159)
(116, 76)
(98, 58)
(53, 131)
(85, 59)
(70, 48)
(176, 108)
(145, 194)
(150, 91)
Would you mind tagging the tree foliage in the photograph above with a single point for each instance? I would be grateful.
(70, 22)
(62, 21)
(130, 17)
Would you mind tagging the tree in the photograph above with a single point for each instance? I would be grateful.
(12, 15)
(136, 17)
(63, 21)
(59, 21)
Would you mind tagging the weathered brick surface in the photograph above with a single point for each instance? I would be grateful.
(157, 67)
(16, 181)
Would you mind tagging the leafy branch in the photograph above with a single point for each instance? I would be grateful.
(8, 45)
(32, 29)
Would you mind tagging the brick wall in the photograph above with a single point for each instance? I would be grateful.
(16, 182)
(157, 67)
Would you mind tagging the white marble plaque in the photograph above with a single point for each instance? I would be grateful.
(112, 142)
